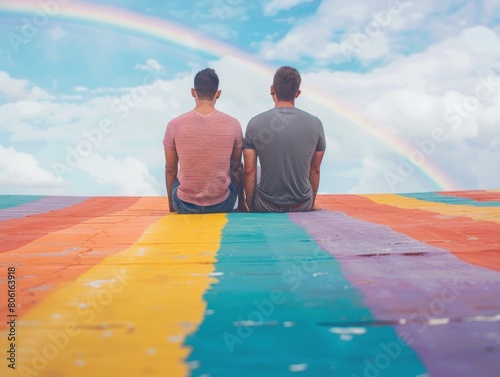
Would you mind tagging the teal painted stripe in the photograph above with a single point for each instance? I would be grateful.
(9, 201)
(445, 199)
(266, 316)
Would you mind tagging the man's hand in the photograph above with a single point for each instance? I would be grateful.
(171, 168)
(250, 157)
(247, 206)
(237, 176)
(314, 173)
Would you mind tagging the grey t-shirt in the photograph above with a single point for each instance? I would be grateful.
(285, 140)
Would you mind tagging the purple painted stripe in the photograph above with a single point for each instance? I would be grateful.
(45, 204)
(408, 284)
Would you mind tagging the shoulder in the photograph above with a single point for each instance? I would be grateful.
(261, 117)
(180, 118)
(310, 118)
(228, 118)
(307, 115)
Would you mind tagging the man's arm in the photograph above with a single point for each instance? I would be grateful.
(315, 172)
(171, 166)
(250, 156)
(237, 176)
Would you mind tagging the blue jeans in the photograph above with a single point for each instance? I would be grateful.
(183, 207)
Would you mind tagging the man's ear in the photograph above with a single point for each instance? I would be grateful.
(272, 90)
(298, 93)
(217, 95)
(193, 93)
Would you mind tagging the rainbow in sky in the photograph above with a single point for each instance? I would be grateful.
(148, 25)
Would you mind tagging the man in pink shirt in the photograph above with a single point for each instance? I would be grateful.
(203, 150)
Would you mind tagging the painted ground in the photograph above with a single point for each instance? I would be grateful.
(368, 285)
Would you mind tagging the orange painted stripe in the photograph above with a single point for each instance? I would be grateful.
(61, 256)
(18, 232)
(473, 241)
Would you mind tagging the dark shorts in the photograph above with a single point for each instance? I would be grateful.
(261, 205)
(183, 207)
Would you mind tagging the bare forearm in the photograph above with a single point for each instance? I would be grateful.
(170, 177)
(250, 156)
(314, 179)
(250, 183)
(237, 180)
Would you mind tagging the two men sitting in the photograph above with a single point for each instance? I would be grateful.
(203, 151)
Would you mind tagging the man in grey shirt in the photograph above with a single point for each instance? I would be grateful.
(290, 144)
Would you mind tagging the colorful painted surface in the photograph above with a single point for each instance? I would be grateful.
(372, 285)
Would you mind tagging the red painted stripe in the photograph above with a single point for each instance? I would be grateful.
(480, 196)
(474, 242)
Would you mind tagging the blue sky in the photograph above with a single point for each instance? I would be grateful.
(421, 73)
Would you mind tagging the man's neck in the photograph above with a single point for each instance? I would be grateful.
(284, 104)
(204, 107)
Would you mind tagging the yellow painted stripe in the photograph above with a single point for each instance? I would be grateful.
(129, 315)
(472, 212)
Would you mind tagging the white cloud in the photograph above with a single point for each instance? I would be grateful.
(416, 96)
(340, 31)
(129, 176)
(30, 108)
(344, 28)
(64, 131)
(482, 40)
(20, 89)
(481, 163)
(21, 170)
(378, 48)
(150, 65)
(50, 121)
(274, 6)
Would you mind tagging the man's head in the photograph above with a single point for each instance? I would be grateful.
(206, 84)
(286, 84)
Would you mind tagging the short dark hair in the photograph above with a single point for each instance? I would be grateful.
(286, 83)
(206, 84)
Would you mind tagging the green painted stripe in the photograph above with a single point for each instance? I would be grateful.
(9, 201)
(265, 316)
(453, 200)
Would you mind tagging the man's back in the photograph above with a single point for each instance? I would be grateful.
(285, 140)
(204, 143)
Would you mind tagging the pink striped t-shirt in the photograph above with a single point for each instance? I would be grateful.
(204, 144)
